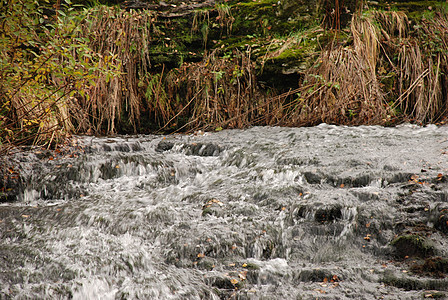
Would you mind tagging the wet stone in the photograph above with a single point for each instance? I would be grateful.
(328, 214)
(200, 149)
(412, 245)
(163, 146)
(409, 283)
(122, 148)
(206, 264)
(317, 275)
(442, 221)
(220, 282)
(312, 178)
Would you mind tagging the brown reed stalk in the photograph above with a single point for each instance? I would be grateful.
(122, 39)
(422, 65)
(223, 88)
(344, 86)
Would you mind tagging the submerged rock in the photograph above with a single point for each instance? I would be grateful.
(200, 149)
(164, 145)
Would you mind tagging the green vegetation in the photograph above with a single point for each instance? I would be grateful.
(106, 70)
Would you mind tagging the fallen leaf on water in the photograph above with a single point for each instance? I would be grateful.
(242, 276)
(336, 284)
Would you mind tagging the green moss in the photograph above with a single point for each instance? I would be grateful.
(263, 17)
(251, 266)
(412, 245)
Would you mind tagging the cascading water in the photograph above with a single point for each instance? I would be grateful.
(263, 213)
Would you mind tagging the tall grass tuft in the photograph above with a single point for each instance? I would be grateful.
(217, 91)
(342, 87)
(124, 38)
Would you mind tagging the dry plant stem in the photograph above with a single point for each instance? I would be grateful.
(180, 112)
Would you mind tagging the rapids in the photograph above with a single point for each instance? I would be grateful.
(262, 213)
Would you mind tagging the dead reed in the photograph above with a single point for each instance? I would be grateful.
(423, 64)
(217, 90)
(346, 84)
(123, 39)
(342, 88)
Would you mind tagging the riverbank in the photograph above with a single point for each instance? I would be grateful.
(143, 67)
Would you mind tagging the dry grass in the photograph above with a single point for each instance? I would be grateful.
(123, 37)
(342, 88)
(219, 91)
(345, 86)
(423, 73)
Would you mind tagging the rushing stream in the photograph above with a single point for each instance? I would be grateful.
(326, 212)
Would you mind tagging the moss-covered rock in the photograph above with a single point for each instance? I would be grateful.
(412, 245)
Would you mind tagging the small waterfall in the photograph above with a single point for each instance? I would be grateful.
(262, 213)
